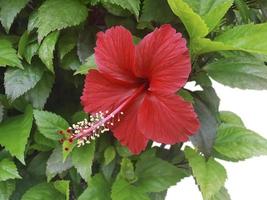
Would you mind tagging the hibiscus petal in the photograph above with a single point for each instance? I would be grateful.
(127, 132)
(101, 94)
(115, 53)
(167, 119)
(163, 58)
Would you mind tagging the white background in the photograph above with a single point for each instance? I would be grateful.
(247, 180)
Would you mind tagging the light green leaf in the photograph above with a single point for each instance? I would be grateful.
(209, 174)
(211, 11)
(98, 189)
(8, 55)
(89, 64)
(231, 118)
(40, 93)
(46, 50)
(246, 37)
(43, 191)
(49, 124)
(195, 26)
(122, 190)
(151, 11)
(132, 5)
(237, 143)
(63, 186)
(82, 159)
(6, 189)
(240, 72)
(109, 154)
(221, 195)
(204, 45)
(8, 170)
(58, 14)
(14, 133)
(200, 16)
(9, 10)
(67, 42)
(19, 81)
(55, 164)
(151, 177)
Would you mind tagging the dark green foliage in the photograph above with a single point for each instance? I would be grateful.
(47, 48)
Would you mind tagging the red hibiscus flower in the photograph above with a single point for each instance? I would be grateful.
(133, 91)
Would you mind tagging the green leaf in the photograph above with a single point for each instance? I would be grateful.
(89, 64)
(58, 14)
(204, 45)
(8, 170)
(240, 72)
(71, 61)
(14, 133)
(246, 38)
(231, 118)
(122, 190)
(209, 174)
(98, 189)
(127, 170)
(6, 189)
(116, 9)
(237, 143)
(30, 51)
(221, 195)
(55, 164)
(1, 112)
(151, 11)
(158, 195)
(211, 11)
(8, 55)
(43, 142)
(200, 17)
(67, 42)
(49, 124)
(23, 41)
(32, 22)
(132, 5)
(206, 106)
(86, 42)
(63, 187)
(109, 154)
(46, 50)
(194, 24)
(43, 191)
(9, 10)
(40, 93)
(186, 95)
(37, 166)
(19, 81)
(82, 159)
(151, 177)
(122, 150)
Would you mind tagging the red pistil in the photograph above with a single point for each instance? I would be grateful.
(89, 132)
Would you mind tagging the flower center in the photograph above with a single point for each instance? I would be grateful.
(88, 130)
